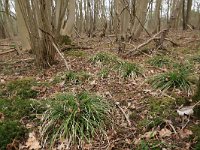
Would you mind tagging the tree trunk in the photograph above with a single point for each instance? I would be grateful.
(157, 16)
(22, 29)
(188, 13)
(68, 24)
(183, 15)
(140, 20)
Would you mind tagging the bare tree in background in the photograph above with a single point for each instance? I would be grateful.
(46, 26)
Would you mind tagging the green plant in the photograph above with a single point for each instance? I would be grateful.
(143, 145)
(10, 130)
(196, 58)
(76, 77)
(75, 53)
(159, 61)
(75, 117)
(17, 108)
(185, 67)
(128, 69)
(104, 73)
(104, 58)
(170, 80)
(65, 40)
(22, 88)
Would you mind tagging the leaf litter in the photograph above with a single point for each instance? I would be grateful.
(130, 95)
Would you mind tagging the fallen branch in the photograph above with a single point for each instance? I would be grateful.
(126, 117)
(61, 55)
(159, 42)
(18, 61)
(9, 51)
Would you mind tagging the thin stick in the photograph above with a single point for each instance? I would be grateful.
(9, 51)
(127, 119)
(147, 42)
(61, 55)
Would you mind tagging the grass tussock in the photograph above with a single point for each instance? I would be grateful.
(171, 80)
(159, 61)
(75, 118)
(128, 69)
(104, 58)
(76, 77)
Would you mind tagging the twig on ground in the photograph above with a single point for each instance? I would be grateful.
(9, 51)
(159, 42)
(61, 55)
(18, 61)
(126, 117)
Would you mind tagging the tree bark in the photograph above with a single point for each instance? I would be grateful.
(22, 29)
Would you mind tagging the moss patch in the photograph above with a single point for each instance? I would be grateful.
(22, 88)
(10, 130)
(17, 108)
(196, 133)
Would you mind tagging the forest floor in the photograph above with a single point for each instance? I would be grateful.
(145, 117)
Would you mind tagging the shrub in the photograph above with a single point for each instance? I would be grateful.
(74, 117)
(170, 80)
(159, 61)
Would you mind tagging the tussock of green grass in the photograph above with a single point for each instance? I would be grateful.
(103, 73)
(75, 117)
(125, 68)
(159, 61)
(76, 77)
(128, 69)
(104, 58)
(170, 80)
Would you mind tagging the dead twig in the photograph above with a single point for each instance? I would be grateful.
(9, 51)
(159, 42)
(18, 61)
(126, 117)
(61, 55)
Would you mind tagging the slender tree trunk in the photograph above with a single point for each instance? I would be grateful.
(67, 25)
(188, 13)
(183, 15)
(140, 20)
(22, 29)
(157, 16)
